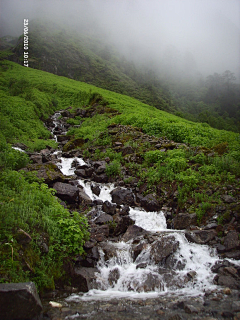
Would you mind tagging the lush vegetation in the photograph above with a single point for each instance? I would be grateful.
(214, 100)
(191, 172)
(28, 208)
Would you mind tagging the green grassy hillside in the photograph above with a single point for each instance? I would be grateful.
(70, 53)
(199, 159)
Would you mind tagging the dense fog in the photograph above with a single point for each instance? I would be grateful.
(185, 37)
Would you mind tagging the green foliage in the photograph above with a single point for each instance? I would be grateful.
(113, 169)
(154, 156)
(30, 205)
(11, 158)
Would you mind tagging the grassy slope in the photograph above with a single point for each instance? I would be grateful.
(28, 95)
(85, 58)
(32, 94)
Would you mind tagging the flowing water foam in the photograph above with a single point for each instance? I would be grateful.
(121, 276)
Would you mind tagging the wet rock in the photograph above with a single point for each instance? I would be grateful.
(162, 248)
(103, 218)
(81, 173)
(220, 248)
(49, 172)
(221, 264)
(113, 277)
(46, 155)
(191, 275)
(62, 138)
(122, 196)
(184, 220)
(149, 203)
(101, 169)
(122, 225)
(99, 233)
(132, 232)
(201, 236)
(151, 282)
(36, 158)
(232, 255)
(98, 202)
(209, 226)
(96, 190)
(137, 249)
(89, 171)
(66, 192)
(90, 260)
(109, 207)
(19, 301)
(84, 278)
(102, 178)
(97, 164)
(188, 308)
(227, 281)
(109, 250)
(124, 211)
(84, 198)
(231, 241)
(90, 244)
(94, 213)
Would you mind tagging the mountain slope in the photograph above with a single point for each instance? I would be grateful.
(182, 165)
(80, 57)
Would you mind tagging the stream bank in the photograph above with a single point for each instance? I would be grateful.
(121, 214)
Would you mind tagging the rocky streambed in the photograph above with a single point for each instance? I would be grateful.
(143, 260)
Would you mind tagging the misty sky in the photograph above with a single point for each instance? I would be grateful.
(205, 31)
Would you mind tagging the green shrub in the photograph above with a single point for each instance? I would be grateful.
(113, 169)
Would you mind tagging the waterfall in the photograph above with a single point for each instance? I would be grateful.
(188, 270)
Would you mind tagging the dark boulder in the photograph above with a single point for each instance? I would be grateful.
(201, 236)
(151, 282)
(137, 249)
(149, 203)
(102, 178)
(109, 250)
(49, 172)
(109, 207)
(81, 173)
(84, 198)
(122, 225)
(163, 248)
(122, 196)
(124, 211)
(36, 158)
(96, 190)
(99, 233)
(113, 277)
(90, 260)
(66, 192)
(184, 220)
(133, 232)
(231, 241)
(101, 169)
(103, 218)
(84, 278)
(46, 155)
(19, 301)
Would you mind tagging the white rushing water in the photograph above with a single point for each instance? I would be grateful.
(121, 276)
